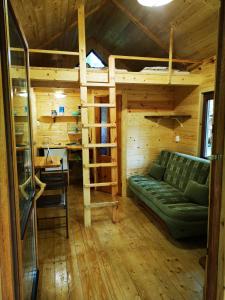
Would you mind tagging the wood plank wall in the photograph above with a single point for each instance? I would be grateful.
(54, 132)
(189, 100)
(145, 138)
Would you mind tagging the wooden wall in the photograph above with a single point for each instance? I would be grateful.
(143, 139)
(189, 100)
(47, 131)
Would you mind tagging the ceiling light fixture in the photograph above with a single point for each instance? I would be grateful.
(154, 3)
(59, 95)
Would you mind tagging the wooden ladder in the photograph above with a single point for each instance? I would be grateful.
(87, 126)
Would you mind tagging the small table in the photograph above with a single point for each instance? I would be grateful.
(43, 162)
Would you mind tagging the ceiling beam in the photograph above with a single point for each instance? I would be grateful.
(72, 25)
(141, 26)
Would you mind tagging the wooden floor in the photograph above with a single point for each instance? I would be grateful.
(133, 259)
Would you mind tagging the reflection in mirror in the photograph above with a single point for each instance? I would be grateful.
(20, 104)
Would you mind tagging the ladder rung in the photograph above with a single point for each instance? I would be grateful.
(98, 84)
(106, 145)
(98, 105)
(89, 185)
(99, 125)
(101, 165)
(102, 204)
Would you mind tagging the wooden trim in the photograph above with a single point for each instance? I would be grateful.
(206, 97)
(170, 66)
(42, 51)
(6, 255)
(124, 144)
(158, 59)
(214, 278)
(84, 111)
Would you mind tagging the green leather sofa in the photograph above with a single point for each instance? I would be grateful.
(166, 197)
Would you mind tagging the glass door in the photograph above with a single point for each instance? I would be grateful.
(17, 104)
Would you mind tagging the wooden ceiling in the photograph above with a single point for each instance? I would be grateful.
(122, 27)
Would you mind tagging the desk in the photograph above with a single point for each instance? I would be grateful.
(40, 162)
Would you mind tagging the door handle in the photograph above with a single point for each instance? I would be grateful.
(41, 185)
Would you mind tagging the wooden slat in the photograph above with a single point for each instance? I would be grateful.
(100, 184)
(98, 105)
(106, 145)
(98, 84)
(158, 59)
(113, 133)
(98, 125)
(170, 67)
(101, 165)
(103, 204)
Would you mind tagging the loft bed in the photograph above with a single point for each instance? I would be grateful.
(101, 76)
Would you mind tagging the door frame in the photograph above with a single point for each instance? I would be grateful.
(215, 256)
(14, 271)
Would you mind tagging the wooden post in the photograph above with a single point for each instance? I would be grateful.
(170, 68)
(124, 144)
(113, 132)
(84, 112)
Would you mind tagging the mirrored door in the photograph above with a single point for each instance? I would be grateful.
(20, 152)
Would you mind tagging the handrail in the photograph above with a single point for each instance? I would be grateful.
(58, 52)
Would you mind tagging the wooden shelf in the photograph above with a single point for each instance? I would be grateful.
(179, 118)
(50, 119)
(23, 118)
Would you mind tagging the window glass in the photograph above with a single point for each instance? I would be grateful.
(93, 61)
(207, 123)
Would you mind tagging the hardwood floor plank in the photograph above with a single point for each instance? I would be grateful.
(133, 259)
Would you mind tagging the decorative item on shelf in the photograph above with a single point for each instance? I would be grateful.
(71, 129)
(53, 114)
(76, 113)
(61, 110)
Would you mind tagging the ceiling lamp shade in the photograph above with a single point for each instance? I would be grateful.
(153, 3)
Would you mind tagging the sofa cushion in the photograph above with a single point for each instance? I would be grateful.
(157, 171)
(156, 191)
(163, 158)
(181, 168)
(196, 192)
(167, 198)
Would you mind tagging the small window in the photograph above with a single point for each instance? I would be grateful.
(94, 61)
(207, 124)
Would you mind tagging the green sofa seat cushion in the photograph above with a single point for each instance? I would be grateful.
(168, 199)
(197, 193)
(157, 171)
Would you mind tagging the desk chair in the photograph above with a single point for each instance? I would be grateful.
(55, 195)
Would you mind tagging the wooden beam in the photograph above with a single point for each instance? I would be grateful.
(158, 59)
(42, 51)
(170, 67)
(152, 36)
(72, 25)
(56, 76)
(215, 261)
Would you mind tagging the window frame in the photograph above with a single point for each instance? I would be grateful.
(206, 98)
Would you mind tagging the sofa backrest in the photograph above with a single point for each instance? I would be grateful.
(181, 168)
(163, 158)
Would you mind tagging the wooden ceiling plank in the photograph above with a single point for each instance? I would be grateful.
(72, 25)
(141, 26)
